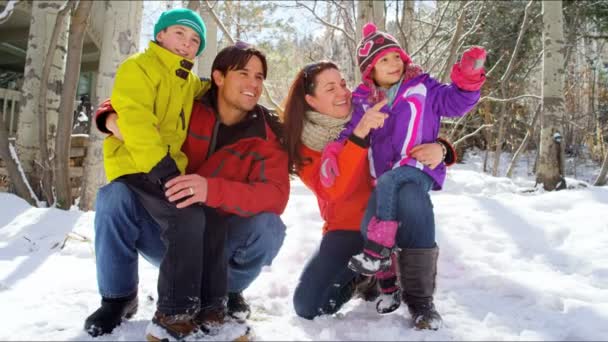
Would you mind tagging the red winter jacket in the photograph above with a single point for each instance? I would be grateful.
(245, 177)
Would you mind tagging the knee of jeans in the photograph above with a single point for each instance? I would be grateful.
(385, 179)
(269, 235)
(414, 200)
(113, 196)
(303, 306)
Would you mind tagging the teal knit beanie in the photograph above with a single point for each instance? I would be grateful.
(184, 17)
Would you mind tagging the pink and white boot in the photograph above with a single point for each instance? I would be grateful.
(378, 248)
(390, 297)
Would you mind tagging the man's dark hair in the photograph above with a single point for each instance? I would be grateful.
(236, 57)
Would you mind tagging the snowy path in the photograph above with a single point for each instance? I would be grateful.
(513, 266)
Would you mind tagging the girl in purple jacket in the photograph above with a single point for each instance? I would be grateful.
(415, 104)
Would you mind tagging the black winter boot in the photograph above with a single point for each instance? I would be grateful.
(418, 268)
(110, 315)
(238, 308)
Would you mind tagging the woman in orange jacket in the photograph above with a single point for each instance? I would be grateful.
(317, 108)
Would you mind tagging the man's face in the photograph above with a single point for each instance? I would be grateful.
(241, 89)
(181, 40)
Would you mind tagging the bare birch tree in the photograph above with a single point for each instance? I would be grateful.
(28, 144)
(120, 39)
(205, 60)
(78, 25)
(548, 171)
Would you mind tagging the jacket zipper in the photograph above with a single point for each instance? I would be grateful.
(183, 117)
(216, 127)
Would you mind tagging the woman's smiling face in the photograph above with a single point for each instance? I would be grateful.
(331, 95)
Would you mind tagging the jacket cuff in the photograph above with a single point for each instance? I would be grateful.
(450, 156)
(364, 143)
(101, 115)
(213, 198)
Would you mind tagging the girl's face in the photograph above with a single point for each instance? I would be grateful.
(331, 96)
(388, 70)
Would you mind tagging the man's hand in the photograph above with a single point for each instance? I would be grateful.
(112, 126)
(373, 118)
(430, 154)
(187, 189)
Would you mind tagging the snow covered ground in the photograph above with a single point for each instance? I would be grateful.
(514, 264)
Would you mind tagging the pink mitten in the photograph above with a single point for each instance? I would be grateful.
(469, 73)
(329, 163)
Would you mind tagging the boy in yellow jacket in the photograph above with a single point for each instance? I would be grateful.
(154, 92)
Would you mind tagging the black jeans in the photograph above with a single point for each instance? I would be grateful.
(186, 234)
(322, 286)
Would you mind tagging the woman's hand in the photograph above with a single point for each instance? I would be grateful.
(430, 154)
(188, 189)
(373, 118)
(112, 126)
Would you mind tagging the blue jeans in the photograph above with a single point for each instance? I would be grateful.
(322, 288)
(123, 228)
(388, 185)
(411, 203)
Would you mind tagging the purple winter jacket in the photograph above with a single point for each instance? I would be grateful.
(413, 119)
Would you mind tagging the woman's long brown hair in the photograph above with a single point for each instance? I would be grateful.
(295, 110)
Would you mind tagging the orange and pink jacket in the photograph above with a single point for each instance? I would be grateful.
(342, 205)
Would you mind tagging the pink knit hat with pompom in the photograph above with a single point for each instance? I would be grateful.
(373, 46)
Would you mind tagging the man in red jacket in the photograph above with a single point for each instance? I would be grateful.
(237, 169)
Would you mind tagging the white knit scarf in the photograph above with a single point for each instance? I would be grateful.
(319, 129)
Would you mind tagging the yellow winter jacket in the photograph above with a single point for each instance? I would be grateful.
(153, 95)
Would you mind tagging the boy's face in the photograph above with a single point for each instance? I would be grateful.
(241, 89)
(181, 40)
(388, 70)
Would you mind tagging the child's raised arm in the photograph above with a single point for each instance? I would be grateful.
(468, 75)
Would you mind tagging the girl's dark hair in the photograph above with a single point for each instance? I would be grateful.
(295, 110)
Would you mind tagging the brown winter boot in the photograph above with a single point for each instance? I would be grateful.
(170, 327)
(418, 268)
(210, 320)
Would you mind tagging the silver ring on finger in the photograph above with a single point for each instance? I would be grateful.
(191, 190)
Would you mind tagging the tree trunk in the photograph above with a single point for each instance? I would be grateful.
(454, 42)
(601, 178)
(406, 26)
(28, 144)
(549, 165)
(22, 188)
(205, 60)
(120, 39)
(524, 143)
(504, 81)
(78, 25)
(369, 11)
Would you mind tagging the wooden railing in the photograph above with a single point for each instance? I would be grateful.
(9, 109)
(78, 152)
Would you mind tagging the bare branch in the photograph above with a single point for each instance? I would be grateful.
(524, 25)
(453, 43)
(489, 98)
(432, 35)
(8, 10)
(524, 143)
(217, 19)
(455, 143)
(324, 22)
